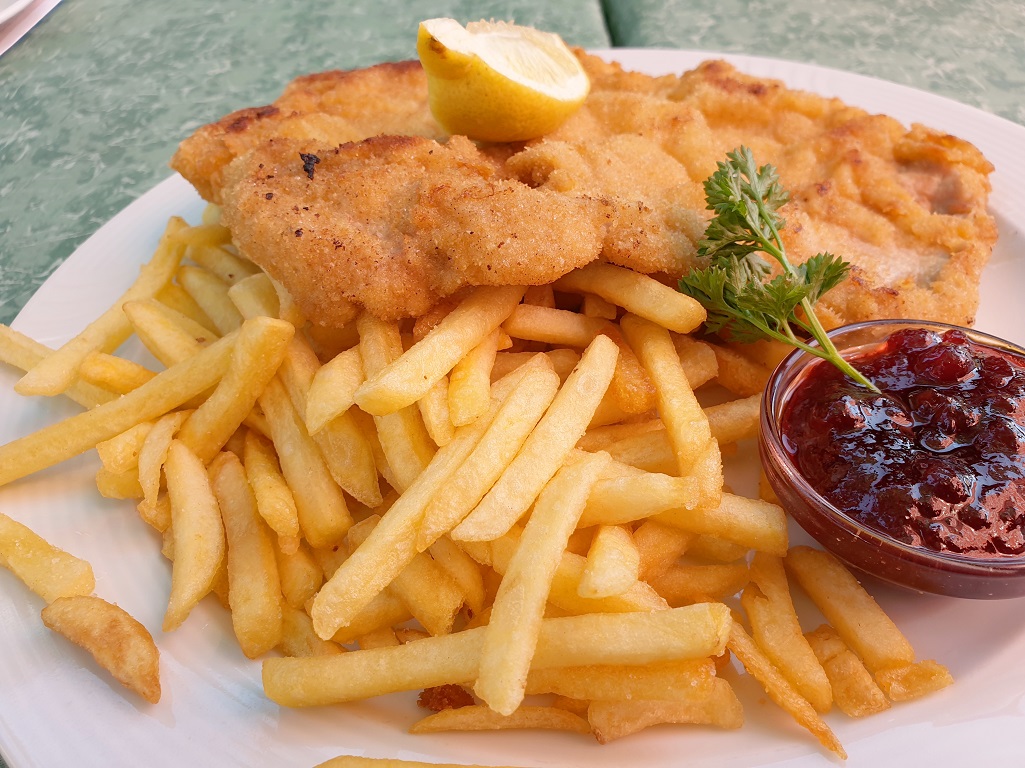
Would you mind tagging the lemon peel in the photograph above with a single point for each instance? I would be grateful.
(497, 81)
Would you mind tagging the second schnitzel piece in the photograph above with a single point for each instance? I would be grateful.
(396, 223)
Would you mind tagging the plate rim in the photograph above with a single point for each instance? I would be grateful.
(174, 187)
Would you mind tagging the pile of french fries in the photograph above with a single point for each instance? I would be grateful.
(514, 505)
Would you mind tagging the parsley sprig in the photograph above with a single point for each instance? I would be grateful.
(735, 290)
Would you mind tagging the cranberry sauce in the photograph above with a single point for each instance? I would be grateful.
(937, 459)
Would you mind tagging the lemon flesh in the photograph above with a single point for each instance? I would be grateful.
(498, 82)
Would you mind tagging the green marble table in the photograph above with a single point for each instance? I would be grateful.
(95, 99)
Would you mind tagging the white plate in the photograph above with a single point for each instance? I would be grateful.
(55, 710)
(11, 8)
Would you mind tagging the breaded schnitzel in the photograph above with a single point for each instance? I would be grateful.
(620, 181)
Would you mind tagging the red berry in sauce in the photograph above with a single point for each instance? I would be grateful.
(937, 459)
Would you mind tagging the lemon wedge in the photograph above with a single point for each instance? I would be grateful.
(496, 81)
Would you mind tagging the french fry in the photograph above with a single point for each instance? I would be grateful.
(565, 589)
(780, 691)
(545, 448)
(469, 388)
(636, 293)
(121, 452)
(77, 434)
(299, 573)
(613, 563)
(347, 761)
(198, 533)
(151, 465)
(718, 707)
(254, 590)
(403, 438)
(686, 423)
(511, 635)
(118, 642)
(298, 637)
(739, 373)
(777, 631)
(333, 388)
(626, 638)
(118, 485)
(221, 262)
(169, 336)
(175, 298)
(57, 371)
(752, 523)
(48, 571)
(853, 612)
(734, 420)
(258, 351)
(659, 547)
(114, 374)
(629, 497)
(436, 414)
(855, 693)
(685, 584)
(323, 514)
(553, 326)
(274, 499)
(668, 680)
(211, 294)
(481, 718)
(464, 571)
(913, 681)
(24, 353)
(697, 358)
(406, 379)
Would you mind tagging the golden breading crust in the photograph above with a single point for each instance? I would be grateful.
(619, 181)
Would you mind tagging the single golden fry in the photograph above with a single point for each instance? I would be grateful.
(636, 496)
(298, 637)
(626, 638)
(254, 590)
(780, 691)
(299, 573)
(668, 680)
(855, 693)
(435, 412)
(274, 499)
(170, 336)
(718, 706)
(553, 326)
(346, 761)
(404, 380)
(685, 584)
(198, 533)
(469, 388)
(686, 423)
(636, 293)
(333, 389)
(48, 571)
(913, 681)
(119, 643)
(481, 718)
(511, 634)
(211, 294)
(752, 523)
(852, 611)
(463, 569)
(121, 453)
(659, 546)
(259, 350)
(613, 563)
(323, 514)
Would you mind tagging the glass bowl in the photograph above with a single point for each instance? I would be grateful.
(867, 549)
